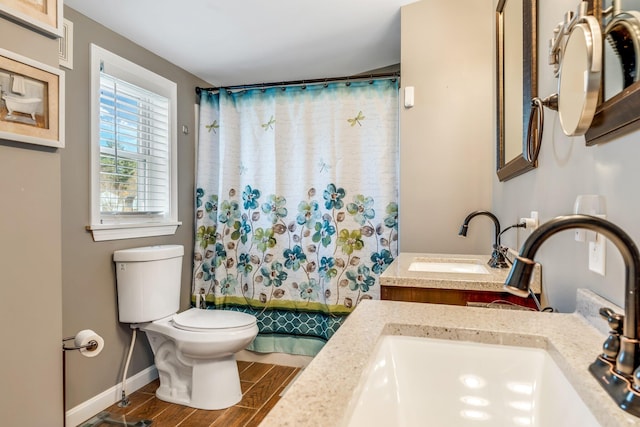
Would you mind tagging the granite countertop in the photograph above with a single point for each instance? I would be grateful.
(321, 395)
(398, 274)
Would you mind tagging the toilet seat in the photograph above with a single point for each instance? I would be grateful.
(197, 320)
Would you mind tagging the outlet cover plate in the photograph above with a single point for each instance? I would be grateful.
(597, 255)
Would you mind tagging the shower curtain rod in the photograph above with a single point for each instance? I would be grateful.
(358, 77)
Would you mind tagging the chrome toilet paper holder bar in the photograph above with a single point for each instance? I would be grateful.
(91, 345)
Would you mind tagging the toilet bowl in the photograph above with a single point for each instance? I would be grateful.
(194, 351)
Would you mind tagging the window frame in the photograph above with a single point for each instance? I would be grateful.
(131, 226)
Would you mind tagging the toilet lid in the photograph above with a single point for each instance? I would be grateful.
(195, 319)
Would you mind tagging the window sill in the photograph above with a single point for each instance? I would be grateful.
(102, 232)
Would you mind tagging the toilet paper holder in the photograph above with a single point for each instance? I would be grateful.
(90, 346)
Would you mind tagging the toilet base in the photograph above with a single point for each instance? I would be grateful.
(206, 392)
(212, 383)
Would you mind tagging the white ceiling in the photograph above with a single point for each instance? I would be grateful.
(231, 42)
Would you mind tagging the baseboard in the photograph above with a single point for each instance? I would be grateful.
(96, 404)
(284, 359)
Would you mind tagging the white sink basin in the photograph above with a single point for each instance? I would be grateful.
(432, 382)
(448, 266)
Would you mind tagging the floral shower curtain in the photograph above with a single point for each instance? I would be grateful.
(297, 213)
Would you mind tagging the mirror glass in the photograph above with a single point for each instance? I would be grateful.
(516, 83)
(621, 32)
(579, 77)
(619, 110)
(513, 80)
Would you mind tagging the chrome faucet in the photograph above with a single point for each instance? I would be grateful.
(617, 368)
(498, 259)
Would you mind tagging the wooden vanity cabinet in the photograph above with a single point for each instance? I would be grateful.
(450, 296)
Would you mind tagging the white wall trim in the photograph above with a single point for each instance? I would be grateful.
(102, 232)
(283, 359)
(96, 404)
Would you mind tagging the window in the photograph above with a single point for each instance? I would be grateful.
(133, 146)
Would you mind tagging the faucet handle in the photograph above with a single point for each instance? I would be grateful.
(605, 312)
(614, 319)
(611, 346)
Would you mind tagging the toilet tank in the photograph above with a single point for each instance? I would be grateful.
(148, 282)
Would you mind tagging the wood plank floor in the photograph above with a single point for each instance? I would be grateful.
(261, 385)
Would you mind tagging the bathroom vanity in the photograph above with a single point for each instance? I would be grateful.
(450, 279)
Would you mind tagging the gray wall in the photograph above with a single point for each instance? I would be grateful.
(446, 143)
(30, 277)
(88, 275)
(566, 169)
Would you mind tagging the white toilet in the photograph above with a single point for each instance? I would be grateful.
(195, 350)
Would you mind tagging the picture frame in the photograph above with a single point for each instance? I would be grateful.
(31, 101)
(44, 16)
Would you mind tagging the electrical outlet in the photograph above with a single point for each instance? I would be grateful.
(597, 255)
(536, 221)
(531, 222)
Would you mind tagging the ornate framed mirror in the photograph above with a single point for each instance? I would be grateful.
(619, 113)
(517, 77)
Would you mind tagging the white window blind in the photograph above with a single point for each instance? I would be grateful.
(134, 150)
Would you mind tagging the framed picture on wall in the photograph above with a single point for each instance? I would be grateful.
(44, 16)
(31, 101)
